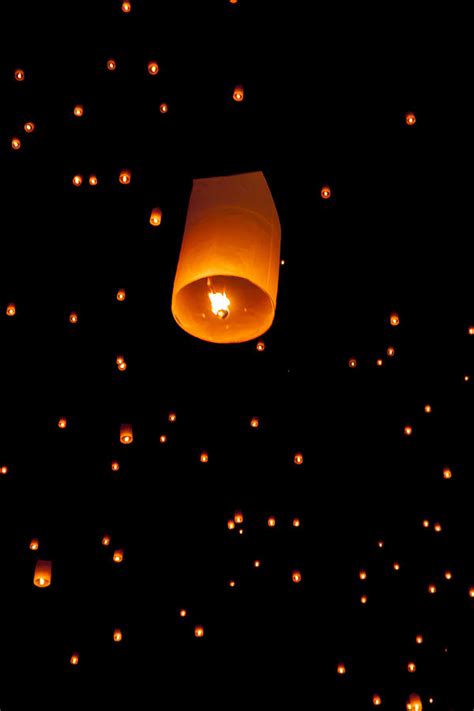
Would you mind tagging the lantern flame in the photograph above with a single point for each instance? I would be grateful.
(219, 303)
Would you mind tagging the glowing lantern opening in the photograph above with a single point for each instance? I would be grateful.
(271, 522)
(125, 177)
(93, 180)
(78, 110)
(172, 417)
(410, 119)
(394, 319)
(115, 466)
(325, 192)
(155, 217)
(19, 74)
(111, 65)
(29, 127)
(298, 459)
(204, 458)
(118, 635)
(106, 541)
(126, 434)
(121, 295)
(164, 108)
(260, 346)
(118, 556)
(239, 93)
(74, 660)
(352, 363)
(226, 282)
(34, 545)
(153, 68)
(126, 7)
(73, 317)
(77, 180)
(11, 310)
(62, 423)
(296, 576)
(16, 144)
(43, 573)
(199, 631)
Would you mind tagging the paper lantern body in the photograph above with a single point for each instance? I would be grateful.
(126, 434)
(231, 248)
(43, 570)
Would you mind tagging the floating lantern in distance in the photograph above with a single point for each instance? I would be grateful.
(29, 127)
(115, 466)
(182, 613)
(437, 527)
(204, 458)
(226, 282)
(426, 523)
(341, 668)
(466, 378)
(126, 7)
(427, 409)
(16, 144)
(232, 583)
(396, 566)
(111, 65)
(163, 439)
(126, 434)
(471, 591)
(257, 563)
(447, 473)
(363, 600)
(125, 177)
(394, 319)
(362, 575)
(34, 544)
(296, 576)
(431, 589)
(74, 660)
(93, 180)
(260, 346)
(73, 317)
(78, 110)
(410, 119)
(121, 295)
(106, 540)
(19, 75)
(419, 639)
(43, 573)
(118, 556)
(239, 93)
(62, 423)
(411, 666)
(376, 700)
(199, 631)
(122, 366)
(408, 430)
(155, 217)
(77, 180)
(239, 517)
(271, 522)
(325, 192)
(296, 523)
(118, 636)
(390, 351)
(172, 417)
(380, 544)
(298, 458)
(163, 108)
(4, 470)
(448, 575)
(379, 362)
(414, 703)
(11, 310)
(231, 524)
(153, 68)
(254, 422)
(352, 363)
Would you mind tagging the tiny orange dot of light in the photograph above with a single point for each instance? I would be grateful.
(230, 524)
(115, 466)
(296, 576)
(471, 592)
(447, 474)
(396, 566)
(78, 110)
(111, 65)
(362, 575)
(298, 458)
(172, 417)
(77, 180)
(118, 635)
(11, 310)
(410, 119)
(73, 317)
(239, 517)
(325, 192)
(62, 423)
(426, 523)
(260, 346)
(121, 295)
(363, 599)
(164, 108)
(182, 613)
(341, 669)
(432, 589)
(19, 74)
(390, 352)
(232, 583)
(394, 319)
(437, 527)
(153, 68)
(408, 430)
(411, 666)
(352, 363)
(254, 422)
(199, 632)
(29, 127)
(256, 564)
(16, 144)
(204, 457)
(271, 522)
(419, 639)
(126, 7)
(296, 523)
(163, 439)
(448, 575)
(427, 409)
(106, 541)
(4, 470)
(74, 659)
(379, 361)
(93, 180)
(380, 544)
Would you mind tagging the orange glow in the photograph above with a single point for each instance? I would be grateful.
(471, 591)
(254, 422)
(118, 556)
(230, 524)
(257, 564)
(432, 589)
(29, 127)
(448, 575)
(172, 417)
(183, 613)
(410, 119)
(232, 583)
(126, 434)
(390, 351)
(427, 409)
(4, 470)
(122, 366)
(125, 177)
(120, 359)
(341, 669)
(121, 294)
(106, 541)
(414, 703)
(394, 319)
(163, 439)
(155, 217)
(34, 544)
(62, 423)
(239, 93)
(411, 666)
(426, 523)
(239, 517)
(466, 378)
(153, 68)
(16, 144)
(470, 330)
(438, 528)
(199, 631)
(19, 74)
(77, 180)
(447, 473)
(352, 363)
(362, 575)
(298, 459)
(325, 192)
(74, 660)
(126, 7)
(220, 303)
(296, 523)
(43, 572)
(271, 522)
(115, 466)
(111, 65)
(380, 544)
(93, 180)
(204, 458)
(11, 310)
(118, 635)
(376, 700)
(408, 430)
(379, 361)
(396, 566)
(260, 346)
(164, 108)
(296, 576)
(363, 599)
(78, 110)
(419, 639)
(73, 317)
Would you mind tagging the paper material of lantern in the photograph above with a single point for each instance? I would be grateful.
(43, 572)
(126, 434)
(226, 282)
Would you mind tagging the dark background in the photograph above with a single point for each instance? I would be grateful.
(326, 92)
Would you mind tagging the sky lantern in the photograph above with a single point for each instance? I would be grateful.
(411, 666)
(425, 523)
(19, 75)
(163, 439)
(362, 574)
(325, 192)
(260, 346)
(11, 310)
(16, 144)
(204, 458)
(414, 703)
(254, 422)
(390, 351)
(118, 636)
(93, 180)
(427, 409)
(155, 217)
(376, 700)
(470, 330)
(226, 282)
(43, 573)
(296, 523)
(438, 528)
(257, 563)
(239, 517)
(296, 576)
(115, 466)
(271, 522)
(379, 362)
(78, 110)
(126, 434)
(419, 639)
(448, 575)
(118, 556)
(111, 65)
(298, 458)
(73, 317)
(34, 544)
(77, 181)
(408, 430)
(410, 119)
(363, 600)
(182, 612)
(163, 108)
(239, 93)
(199, 631)
(4, 469)
(396, 566)
(126, 7)
(394, 319)
(341, 668)
(231, 524)
(352, 363)
(125, 177)
(432, 589)
(74, 660)
(62, 423)
(447, 473)
(29, 127)
(380, 544)
(121, 295)
(232, 583)
(153, 68)
(106, 540)
(172, 417)
(471, 591)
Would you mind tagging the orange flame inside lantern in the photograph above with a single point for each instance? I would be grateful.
(155, 217)
(11, 310)
(43, 572)
(118, 635)
(126, 434)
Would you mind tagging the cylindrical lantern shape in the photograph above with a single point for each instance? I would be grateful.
(126, 434)
(43, 572)
(226, 282)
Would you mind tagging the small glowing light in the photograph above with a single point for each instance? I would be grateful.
(282, 262)
(219, 304)
(121, 295)
(447, 473)
(471, 591)
(257, 564)
(74, 660)
(396, 566)
(232, 583)
(352, 363)
(448, 575)
(296, 523)
(126, 7)
(239, 93)
(122, 366)
(466, 378)
(376, 700)
(427, 409)
(73, 317)
(390, 351)
(120, 359)
(230, 524)
(296, 576)
(16, 144)
(77, 180)
(437, 527)
(380, 544)
(19, 75)
(241, 531)
(431, 589)
(29, 127)
(155, 217)
(118, 635)
(254, 422)
(298, 458)
(362, 574)
(271, 522)
(325, 192)
(4, 470)
(106, 541)
(199, 631)
(172, 417)
(426, 523)
(341, 669)
(11, 310)
(34, 544)
(411, 666)
(126, 434)
(410, 119)
(93, 180)
(408, 430)
(62, 423)
(125, 177)
(204, 458)
(153, 68)
(118, 556)
(111, 65)
(419, 639)
(183, 613)
(394, 319)
(260, 346)
(363, 599)
(238, 517)
(78, 110)
(164, 108)
(163, 439)
(115, 466)
(379, 362)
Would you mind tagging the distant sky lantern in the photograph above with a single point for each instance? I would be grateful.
(231, 524)
(118, 556)
(260, 346)
(254, 422)
(11, 310)
(296, 576)
(408, 430)
(394, 319)
(77, 180)
(426, 523)
(62, 423)
(238, 517)
(73, 317)
(163, 108)
(155, 217)
(122, 366)
(153, 68)
(105, 540)
(271, 522)
(115, 466)
(126, 7)
(19, 75)
(16, 144)
(396, 566)
(471, 591)
(4, 470)
(29, 127)
(120, 359)
(204, 458)
(172, 417)
(411, 666)
(466, 378)
(226, 282)
(431, 588)
(437, 527)
(111, 65)
(352, 363)
(325, 192)
(121, 295)
(298, 458)
(74, 660)
(341, 668)
(376, 700)
(427, 409)
(163, 439)
(125, 177)
(362, 574)
(126, 434)
(232, 583)
(379, 361)
(43, 573)
(182, 613)
(93, 180)
(257, 563)
(363, 600)
(118, 636)
(410, 119)
(448, 575)
(78, 110)
(34, 544)
(296, 523)
(380, 544)
(447, 473)
(239, 93)
(199, 631)
(390, 351)
(414, 703)
(419, 639)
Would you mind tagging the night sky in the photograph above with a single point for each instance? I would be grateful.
(376, 272)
